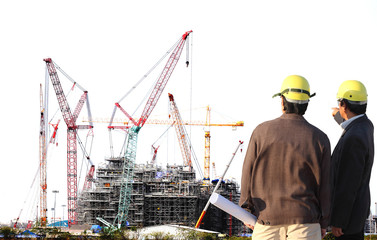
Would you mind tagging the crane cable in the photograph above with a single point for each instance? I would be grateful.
(155, 82)
(187, 59)
(34, 204)
(145, 97)
(164, 132)
(85, 154)
(66, 96)
(167, 129)
(146, 75)
(28, 194)
(194, 156)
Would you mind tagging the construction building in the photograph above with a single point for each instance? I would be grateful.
(170, 195)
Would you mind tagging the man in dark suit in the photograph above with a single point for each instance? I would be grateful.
(351, 163)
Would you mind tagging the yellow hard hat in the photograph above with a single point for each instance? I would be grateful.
(295, 89)
(353, 91)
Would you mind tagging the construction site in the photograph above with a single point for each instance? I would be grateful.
(119, 192)
(172, 195)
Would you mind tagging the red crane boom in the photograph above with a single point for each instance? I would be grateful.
(42, 164)
(70, 119)
(163, 79)
(184, 142)
(130, 153)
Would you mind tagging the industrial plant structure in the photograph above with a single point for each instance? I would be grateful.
(119, 192)
(124, 193)
(171, 195)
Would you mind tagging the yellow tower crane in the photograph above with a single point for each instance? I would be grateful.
(207, 141)
(207, 146)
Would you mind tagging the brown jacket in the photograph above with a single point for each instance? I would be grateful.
(286, 173)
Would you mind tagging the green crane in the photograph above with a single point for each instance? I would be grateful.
(131, 146)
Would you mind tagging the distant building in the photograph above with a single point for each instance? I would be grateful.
(370, 224)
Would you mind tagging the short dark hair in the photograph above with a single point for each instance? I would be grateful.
(296, 108)
(355, 108)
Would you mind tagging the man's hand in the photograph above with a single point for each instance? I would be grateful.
(249, 226)
(334, 111)
(337, 231)
(323, 232)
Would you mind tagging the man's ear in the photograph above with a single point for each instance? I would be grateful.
(343, 104)
(282, 104)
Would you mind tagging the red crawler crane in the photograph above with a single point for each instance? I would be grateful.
(42, 164)
(130, 153)
(70, 119)
(183, 140)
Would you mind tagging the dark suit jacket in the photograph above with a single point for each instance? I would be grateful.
(351, 164)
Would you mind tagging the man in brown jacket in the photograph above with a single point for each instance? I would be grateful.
(286, 172)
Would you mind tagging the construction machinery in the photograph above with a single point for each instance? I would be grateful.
(54, 134)
(131, 145)
(70, 120)
(125, 122)
(207, 141)
(207, 146)
(218, 185)
(42, 169)
(155, 149)
(183, 138)
(42, 164)
(185, 144)
(181, 133)
(172, 121)
(89, 178)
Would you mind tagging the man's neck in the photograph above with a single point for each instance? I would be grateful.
(349, 115)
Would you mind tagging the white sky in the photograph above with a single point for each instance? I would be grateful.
(241, 52)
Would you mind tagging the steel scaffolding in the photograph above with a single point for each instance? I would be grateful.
(169, 195)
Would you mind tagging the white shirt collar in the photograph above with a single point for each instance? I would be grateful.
(347, 122)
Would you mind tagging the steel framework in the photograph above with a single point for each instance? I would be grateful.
(70, 120)
(42, 164)
(130, 153)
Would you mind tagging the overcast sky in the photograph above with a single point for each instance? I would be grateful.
(240, 52)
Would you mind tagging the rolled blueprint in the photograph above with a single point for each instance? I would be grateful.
(232, 209)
